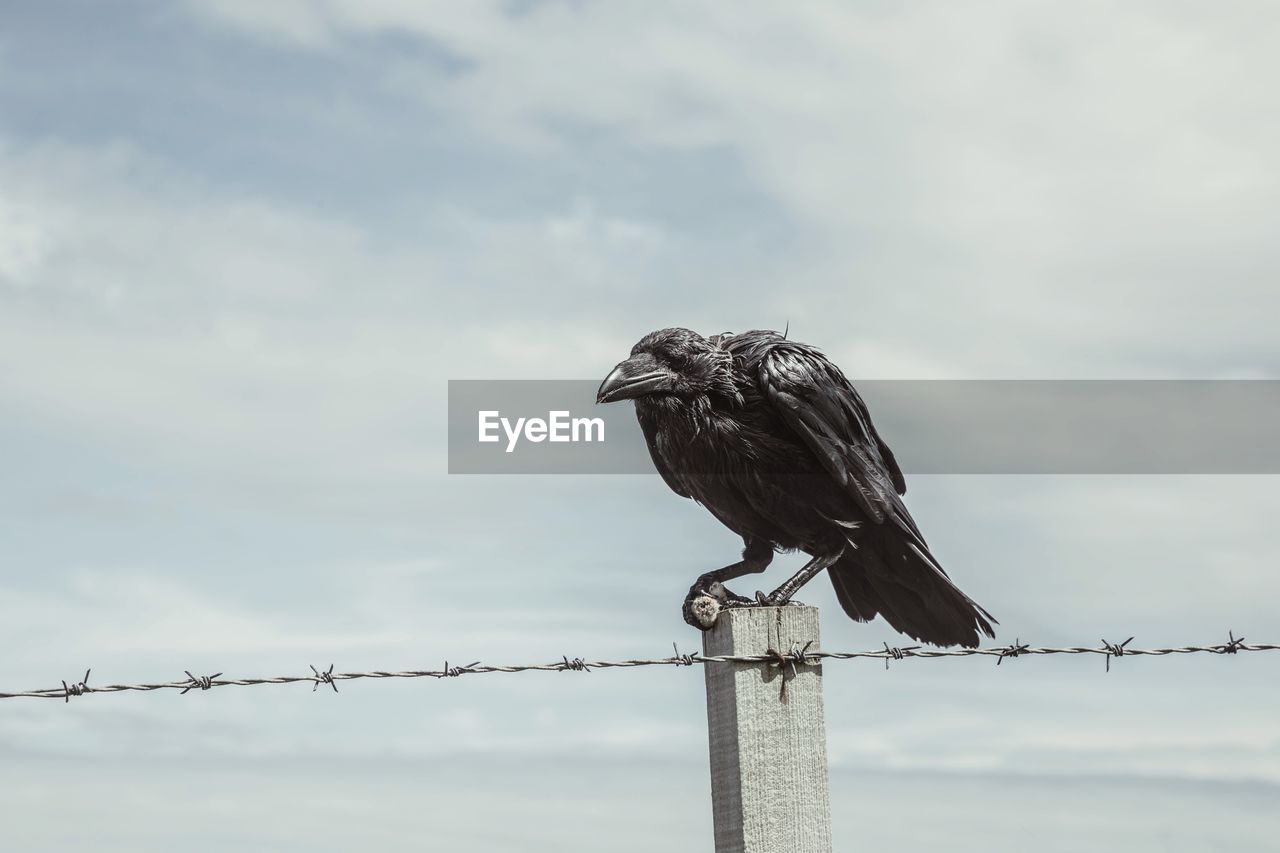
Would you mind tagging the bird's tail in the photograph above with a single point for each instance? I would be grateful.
(892, 575)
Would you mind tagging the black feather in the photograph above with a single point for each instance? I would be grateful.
(769, 435)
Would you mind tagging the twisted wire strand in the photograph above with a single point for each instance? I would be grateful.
(774, 657)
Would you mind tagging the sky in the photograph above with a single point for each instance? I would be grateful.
(244, 246)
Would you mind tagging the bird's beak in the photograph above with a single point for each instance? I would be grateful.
(630, 380)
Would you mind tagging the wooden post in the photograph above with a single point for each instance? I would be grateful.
(768, 745)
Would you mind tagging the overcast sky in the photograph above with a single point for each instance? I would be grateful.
(244, 245)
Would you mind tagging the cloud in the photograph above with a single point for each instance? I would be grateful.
(495, 806)
(239, 378)
(202, 324)
(121, 614)
(1026, 202)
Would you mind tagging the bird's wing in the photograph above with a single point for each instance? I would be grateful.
(817, 402)
(655, 441)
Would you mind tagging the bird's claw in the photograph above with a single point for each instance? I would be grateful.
(703, 604)
(726, 597)
(773, 599)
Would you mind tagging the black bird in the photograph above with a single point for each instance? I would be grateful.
(772, 438)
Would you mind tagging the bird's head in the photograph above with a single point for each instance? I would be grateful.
(672, 363)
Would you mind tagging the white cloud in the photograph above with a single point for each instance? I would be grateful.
(988, 191)
(119, 615)
(1023, 191)
(204, 325)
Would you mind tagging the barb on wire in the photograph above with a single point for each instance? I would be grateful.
(682, 660)
(1115, 650)
(77, 688)
(455, 671)
(895, 653)
(788, 659)
(1013, 651)
(201, 682)
(323, 676)
(785, 661)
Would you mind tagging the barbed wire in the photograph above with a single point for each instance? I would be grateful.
(790, 659)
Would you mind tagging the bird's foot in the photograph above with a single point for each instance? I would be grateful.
(777, 598)
(704, 602)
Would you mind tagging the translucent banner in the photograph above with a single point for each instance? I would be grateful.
(933, 427)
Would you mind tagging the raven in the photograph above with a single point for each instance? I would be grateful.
(770, 436)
